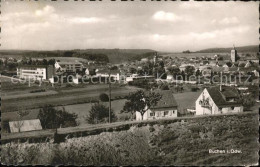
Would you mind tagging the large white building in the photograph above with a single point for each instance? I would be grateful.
(218, 100)
(37, 72)
(68, 66)
(115, 74)
(165, 108)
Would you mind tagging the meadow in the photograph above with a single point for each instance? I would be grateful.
(76, 94)
(184, 101)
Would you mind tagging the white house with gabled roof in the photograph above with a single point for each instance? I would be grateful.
(218, 100)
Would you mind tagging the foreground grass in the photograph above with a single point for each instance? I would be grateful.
(169, 142)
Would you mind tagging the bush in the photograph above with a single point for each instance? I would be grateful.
(5, 126)
(165, 87)
(100, 114)
(68, 85)
(194, 89)
(104, 97)
(248, 101)
(52, 118)
(140, 84)
(38, 90)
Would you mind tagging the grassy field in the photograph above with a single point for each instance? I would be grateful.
(180, 142)
(81, 110)
(184, 100)
(65, 96)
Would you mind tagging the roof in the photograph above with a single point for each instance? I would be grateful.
(233, 69)
(218, 69)
(166, 101)
(34, 66)
(106, 71)
(25, 125)
(219, 97)
(249, 58)
(66, 62)
(221, 63)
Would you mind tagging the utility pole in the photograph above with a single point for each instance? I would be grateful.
(109, 94)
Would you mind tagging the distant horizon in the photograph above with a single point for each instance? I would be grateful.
(128, 49)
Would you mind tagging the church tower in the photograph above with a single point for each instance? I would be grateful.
(234, 55)
(155, 58)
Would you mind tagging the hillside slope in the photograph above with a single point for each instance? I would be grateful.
(114, 55)
(164, 142)
(247, 49)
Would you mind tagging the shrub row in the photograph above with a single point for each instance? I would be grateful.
(38, 90)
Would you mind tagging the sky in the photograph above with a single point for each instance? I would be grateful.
(161, 26)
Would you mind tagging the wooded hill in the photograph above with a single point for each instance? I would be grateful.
(251, 48)
(105, 55)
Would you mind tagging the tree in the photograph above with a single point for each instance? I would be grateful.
(51, 62)
(100, 114)
(165, 87)
(159, 73)
(104, 97)
(174, 71)
(21, 114)
(229, 64)
(179, 88)
(114, 68)
(189, 70)
(141, 101)
(129, 108)
(241, 65)
(132, 70)
(44, 62)
(186, 51)
(198, 73)
(5, 125)
(52, 118)
(248, 101)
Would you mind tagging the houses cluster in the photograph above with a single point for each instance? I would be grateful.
(229, 65)
(147, 67)
(215, 100)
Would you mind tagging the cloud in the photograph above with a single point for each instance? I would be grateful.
(204, 35)
(220, 33)
(232, 20)
(190, 5)
(166, 16)
(82, 20)
(226, 21)
(45, 11)
(158, 37)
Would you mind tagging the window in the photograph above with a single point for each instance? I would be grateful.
(157, 114)
(163, 113)
(232, 108)
(151, 114)
(166, 113)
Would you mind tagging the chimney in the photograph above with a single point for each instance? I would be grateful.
(220, 88)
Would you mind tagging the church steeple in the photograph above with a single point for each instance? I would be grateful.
(233, 54)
